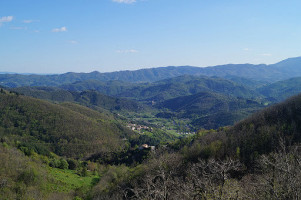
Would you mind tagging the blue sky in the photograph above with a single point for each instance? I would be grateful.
(57, 36)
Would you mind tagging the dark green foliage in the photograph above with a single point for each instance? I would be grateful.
(223, 118)
(29, 147)
(111, 88)
(281, 90)
(49, 93)
(69, 130)
(209, 110)
(187, 85)
(87, 98)
(63, 164)
(94, 98)
(2, 91)
(261, 132)
(130, 157)
(145, 139)
(83, 171)
(249, 83)
(55, 163)
(72, 164)
(206, 102)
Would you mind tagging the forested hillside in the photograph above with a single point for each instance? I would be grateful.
(87, 98)
(188, 85)
(257, 158)
(66, 129)
(282, 89)
(209, 110)
(111, 88)
(165, 89)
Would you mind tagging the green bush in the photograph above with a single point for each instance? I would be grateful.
(63, 164)
(72, 164)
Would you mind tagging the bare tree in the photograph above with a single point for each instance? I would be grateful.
(162, 180)
(212, 179)
(281, 178)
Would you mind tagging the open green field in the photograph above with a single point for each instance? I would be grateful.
(66, 180)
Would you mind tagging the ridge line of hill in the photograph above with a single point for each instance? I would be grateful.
(270, 73)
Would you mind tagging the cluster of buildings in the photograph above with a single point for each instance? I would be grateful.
(136, 127)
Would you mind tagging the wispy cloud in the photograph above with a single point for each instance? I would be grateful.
(28, 21)
(18, 28)
(62, 29)
(127, 51)
(125, 1)
(246, 49)
(266, 54)
(6, 19)
(73, 42)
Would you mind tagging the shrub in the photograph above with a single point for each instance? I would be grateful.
(63, 164)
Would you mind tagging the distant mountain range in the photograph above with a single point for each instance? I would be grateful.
(157, 91)
(285, 69)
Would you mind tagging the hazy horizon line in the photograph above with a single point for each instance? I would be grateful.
(33, 73)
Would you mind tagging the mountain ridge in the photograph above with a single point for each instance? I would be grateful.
(270, 73)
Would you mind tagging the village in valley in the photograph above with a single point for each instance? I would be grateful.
(142, 128)
(136, 127)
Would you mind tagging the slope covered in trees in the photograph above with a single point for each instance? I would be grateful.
(209, 110)
(111, 88)
(66, 129)
(282, 89)
(258, 158)
(188, 85)
(87, 98)
(165, 89)
(261, 132)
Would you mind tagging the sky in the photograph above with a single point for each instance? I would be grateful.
(58, 36)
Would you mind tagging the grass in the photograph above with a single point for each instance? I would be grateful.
(67, 180)
(173, 132)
